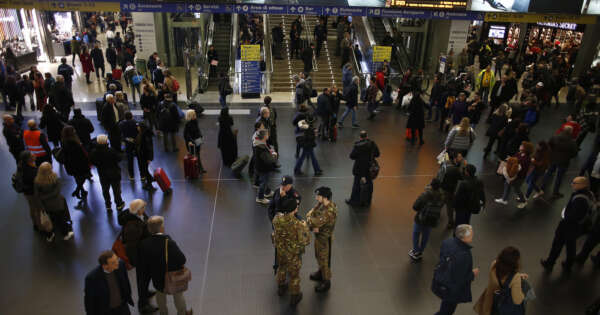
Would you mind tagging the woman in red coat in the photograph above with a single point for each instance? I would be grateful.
(86, 64)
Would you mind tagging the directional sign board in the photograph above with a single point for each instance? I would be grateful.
(251, 76)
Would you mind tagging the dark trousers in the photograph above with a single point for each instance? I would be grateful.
(307, 152)
(592, 240)
(121, 310)
(447, 308)
(115, 184)
(419, 131)
(130, 151)
(463, 217)
(61, 221)
(561, 239)
(144, 173)
(490, 144)
(560, 171)
(319, 46)
(355, 197)
(98, 68)
(114, 136)
(143, 281)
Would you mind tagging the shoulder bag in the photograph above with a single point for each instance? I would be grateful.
(175, 281)
(374, 167)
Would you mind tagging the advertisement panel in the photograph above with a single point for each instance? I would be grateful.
(500, 5)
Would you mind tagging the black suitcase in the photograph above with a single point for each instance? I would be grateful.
(99, 106)
(238, 166)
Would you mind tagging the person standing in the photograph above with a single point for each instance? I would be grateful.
(40, 94)
(128, 134)
(290, 236)
(76, 163)
(307, 58)
(278, 38)
(498, 121)
(86, 64)
(83, 127)
(67, 72)
(75, 49)
(107, 289)
(28, 170)
(516, 173)
(449, 174)
(571, 224)
(563, 149)
(484, 82)
(321, 221)
(324, 112)
(111, 116)
(500, 94)
(14, 136)
(224, 89)
(168, 122)
(265, 161)
(111, 56)
(47, 190)
(363, 153)
(307, 142)
(63, 100)
(107, 161)
(159, 254)
(351, 97)
(428, 207)
(227, 138)
(295, 41)
(469, 197)
(144, 148)
(193, 137)
(320, 33)
(36, 142)
(461, 270)
(98, 59)
(372, 92)
(460, 138)
(149, 104)
(416, 118)
(213, 61)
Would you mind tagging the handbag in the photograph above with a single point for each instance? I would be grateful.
(119, 249)
(45, 222)
(175, 281)
(374, 167)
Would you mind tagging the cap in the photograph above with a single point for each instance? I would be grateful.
(288, 205)
(287, 180)
(324, 192)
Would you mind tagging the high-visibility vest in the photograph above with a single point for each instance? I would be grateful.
(32, 142)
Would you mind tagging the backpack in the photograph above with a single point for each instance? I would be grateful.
(591, 215)
(530, 117)
(17, 182)
(431, 213)
(503, 303)
(175, 85)
(137, 79)
(442, 277)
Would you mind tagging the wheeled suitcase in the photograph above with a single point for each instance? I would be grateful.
(238, 166)
(162, 180)
(190, 164)
(99, 107)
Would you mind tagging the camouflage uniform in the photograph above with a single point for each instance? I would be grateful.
(323, 218)
(290, 236)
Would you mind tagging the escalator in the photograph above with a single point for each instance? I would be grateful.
(222, 42)
(400, 58)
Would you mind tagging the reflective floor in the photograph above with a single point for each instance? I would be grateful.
(225, 234)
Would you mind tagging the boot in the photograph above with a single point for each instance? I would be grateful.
(323, 286)
(316, 276)
(282, 289)
(295, 299)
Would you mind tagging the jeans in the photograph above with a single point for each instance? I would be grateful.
(531, 181)
(307, 153)
(115, 184)
(134, 87)
(161, 301)
(346, 112)
(98, 67)
(560, 171)
(516, 184)
(263, 179)
(223, 100)
(447, 308)
(420, 237)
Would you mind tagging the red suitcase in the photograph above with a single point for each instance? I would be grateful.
(190, 164)
(163, 180)
(116, 73)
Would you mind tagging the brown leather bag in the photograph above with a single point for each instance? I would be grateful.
(175, 281)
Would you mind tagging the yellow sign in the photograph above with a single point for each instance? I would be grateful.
(24, 4)
(83, 6)
(382, 53)
(534, 18)
(250, 52)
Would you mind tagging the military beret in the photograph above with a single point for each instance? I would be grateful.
(288, 205)
(324, 192)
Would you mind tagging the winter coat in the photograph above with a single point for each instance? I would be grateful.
(363, 153)
(563, 149)
(86, 63)
(428, 197)
(76, 163)
(97, 57)
(464, 194)
(459, 111)
(50, 197)
(497, 124)
(458, 141)
(51, 121)
(191, 131)
(134, 231)
(462, 269)
(416, 114)
(346, 76)
(63, 99)
(351, 95)
(168, 117)
(83, 127)
(14, 137)
(106, 160)
(144, 147)
(323, 105)
(264, 161)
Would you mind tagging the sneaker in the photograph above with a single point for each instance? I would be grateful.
(68, 236)
(263, 201)
(538, 194)
(414, 255)
(269, 195)
(521, 200)
(355, 126)
(501, 201)
(522, 205)
(50, 238)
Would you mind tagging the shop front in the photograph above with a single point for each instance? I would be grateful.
(20, 44)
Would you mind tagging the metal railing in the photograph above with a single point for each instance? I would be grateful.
(233, 53)
(310, 39)
(268, 55)
(205, 64)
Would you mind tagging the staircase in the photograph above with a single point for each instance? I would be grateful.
(281, 79)
(222, 43)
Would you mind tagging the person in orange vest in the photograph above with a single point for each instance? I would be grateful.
(36, 142)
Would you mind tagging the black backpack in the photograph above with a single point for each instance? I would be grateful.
(431, 213)
(503, 303)
(17, 181)
(442, 277)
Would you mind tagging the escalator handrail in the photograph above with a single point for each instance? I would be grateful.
(233, 48)
(268, 54)
(207, 41)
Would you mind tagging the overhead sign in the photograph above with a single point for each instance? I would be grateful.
(459, 31)
(128, 6)
(500, 6)
(250, 52)
(84, 6)
(425, 14)
(209, 8)
(534, 18)
(430, 4)
(25, 4)
(145, 33)
(382, 53)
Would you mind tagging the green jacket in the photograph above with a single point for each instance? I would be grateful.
(290, 235)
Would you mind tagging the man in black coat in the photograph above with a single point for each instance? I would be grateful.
(98, 59)
(111, 116)
(67, 72)
(107, 161)
(168, 121)
(320, 33)
(351, 97)
(363, 153)
(107, 289)
(469, 196)
(128, 133)
(571, 225)
(324, 112)
(265, 162)
(135, 230)
(286, 191)
(84, 128)
(152, 257)
(450, 173)
(278, 38)
(14, 136)
(63, 100)
(307, 58)
(501, 93)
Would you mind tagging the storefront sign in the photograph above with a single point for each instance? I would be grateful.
(83, 6)
(564, 26)
(534, 18)
(145, 33)
(459, 31)
(382, 53)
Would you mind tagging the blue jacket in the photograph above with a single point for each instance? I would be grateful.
(462, 269)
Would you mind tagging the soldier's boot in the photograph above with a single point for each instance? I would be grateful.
(282, 289)
(323, 286)
(295, 299)
(316, 276)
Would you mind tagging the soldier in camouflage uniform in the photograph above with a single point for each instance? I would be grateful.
(321, 220)
(290, 237)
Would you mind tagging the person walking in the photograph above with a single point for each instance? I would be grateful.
(98, 59)
(107, 161)
(227, 138)
(320, 34)
(450, 173)
(324, 112)
(460, 138)
(515, 173)
(213, 61)
(469, 197)
(307, 58)
(149, 105)
(307, 142)
(351, 97)
(36, 142)
(107, 289)
(168, 122)
(372, 92)
(41, 96)
(129, 132)
(592, 240)
(504, 277)
(13, 135)
(416, 119)
(363, 153)
(112, 114)
(224, 89)
(76, 163)
(66, 72)
(321, 221)
(111, 56)
(571, 225)
(83, 127)
(563, 149)
(135, 230)
(540, 161)
(144, 148)
(28, 171)
(461, 270)
(86, 64)
(484, 82)
(193, 137)
(290, 236)
(498, 122)
(428, 207)
(158, 254)
(62, 100)
(47, 190)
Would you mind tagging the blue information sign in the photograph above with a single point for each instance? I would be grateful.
(152, 7)
(209, 8)
(251, 77)
(305, 10)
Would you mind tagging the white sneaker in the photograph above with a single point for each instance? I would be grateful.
(68, 236)
(501, 201)
(538, 194)
(50, 238)
(522, 205)
(263, 201)
(269, 195)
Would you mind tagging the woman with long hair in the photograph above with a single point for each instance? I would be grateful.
(40, 93)
(77, 163)
(540, 161)
(514, 175)
(227, 141)
(460, 137)
(193, 137)
(504, 272)
(47, 189)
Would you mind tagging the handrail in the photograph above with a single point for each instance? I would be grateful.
(400, 50)
(268, 50)
(207, 42)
